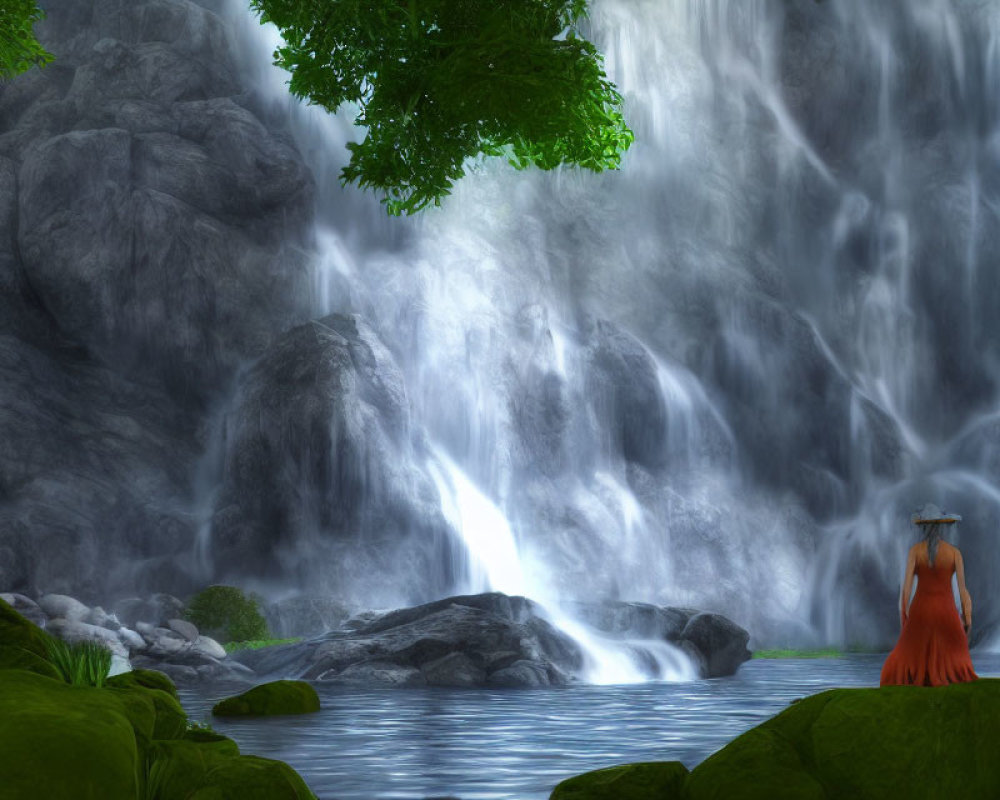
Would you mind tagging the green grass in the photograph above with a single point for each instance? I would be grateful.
(80, 664)
(828, 652)
(257, 644)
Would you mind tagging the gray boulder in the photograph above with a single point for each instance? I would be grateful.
(74, 631)
(476, 640)
(209, 647)
(61, 606)
(186, 629)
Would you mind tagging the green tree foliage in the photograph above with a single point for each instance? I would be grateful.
(441, 81)
(227, 614)
(19, 49)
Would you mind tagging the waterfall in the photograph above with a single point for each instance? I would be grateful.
(726, 374)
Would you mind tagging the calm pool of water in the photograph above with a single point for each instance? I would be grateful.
(518, 744)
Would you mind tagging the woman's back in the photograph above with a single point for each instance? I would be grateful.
(935, 578)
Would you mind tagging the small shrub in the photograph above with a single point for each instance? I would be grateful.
(227, 614)
(80, 664)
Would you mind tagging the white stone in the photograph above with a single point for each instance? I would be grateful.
(209, 647)
(167, 643)
(147, 631)
(184, 628)
(73, 631)
(131, 639)
(62, 606)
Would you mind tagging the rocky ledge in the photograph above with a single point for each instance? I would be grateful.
(493, 640)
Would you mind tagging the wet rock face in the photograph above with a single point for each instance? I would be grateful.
(321, 476)
(153, 236)
(154, 209)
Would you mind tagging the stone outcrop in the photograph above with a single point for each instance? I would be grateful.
(154, 226)
(321, 477)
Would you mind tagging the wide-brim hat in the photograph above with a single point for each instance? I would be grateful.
(930, 514)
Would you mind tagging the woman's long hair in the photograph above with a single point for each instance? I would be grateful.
(932, 535)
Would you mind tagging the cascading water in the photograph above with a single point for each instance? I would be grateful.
(725, 375)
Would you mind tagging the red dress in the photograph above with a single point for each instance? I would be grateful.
(933, 649)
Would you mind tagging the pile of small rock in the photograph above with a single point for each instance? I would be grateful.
(147, 633)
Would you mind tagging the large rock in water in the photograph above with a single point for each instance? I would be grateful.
(715, 644)
(474, 640)
(321, 483)
(153, 226)
(863, 744)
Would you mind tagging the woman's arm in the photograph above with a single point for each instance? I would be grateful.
(904, 597)
(963, 593)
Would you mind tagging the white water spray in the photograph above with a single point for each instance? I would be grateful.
(494, 565)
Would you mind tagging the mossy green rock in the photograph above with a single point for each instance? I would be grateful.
(628, 782)
(269, 699)
(14, 657)
(144, 678)
(216, 771)
(125, 741)
(16, 631)
(58, 740)
(857, 744)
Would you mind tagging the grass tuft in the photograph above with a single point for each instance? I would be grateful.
(80, 664)
(257, 644)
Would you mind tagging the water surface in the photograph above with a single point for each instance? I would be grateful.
(518, 744)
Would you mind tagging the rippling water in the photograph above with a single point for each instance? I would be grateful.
(518, 744)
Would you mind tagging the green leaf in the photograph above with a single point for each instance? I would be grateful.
(441, 83)
(19, 49)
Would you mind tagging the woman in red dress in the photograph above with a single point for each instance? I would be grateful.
(933, 647)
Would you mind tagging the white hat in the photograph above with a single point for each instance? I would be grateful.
(930, 514)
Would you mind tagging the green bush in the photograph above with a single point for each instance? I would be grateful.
(227, 614)
(80, 664)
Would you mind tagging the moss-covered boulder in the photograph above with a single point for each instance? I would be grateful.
(17, 631)
(127, 740)
(270, 699)
(145, 679)
(849, 744)
(214, 770)
(14, 657)
(58, 740)
(655, 779)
